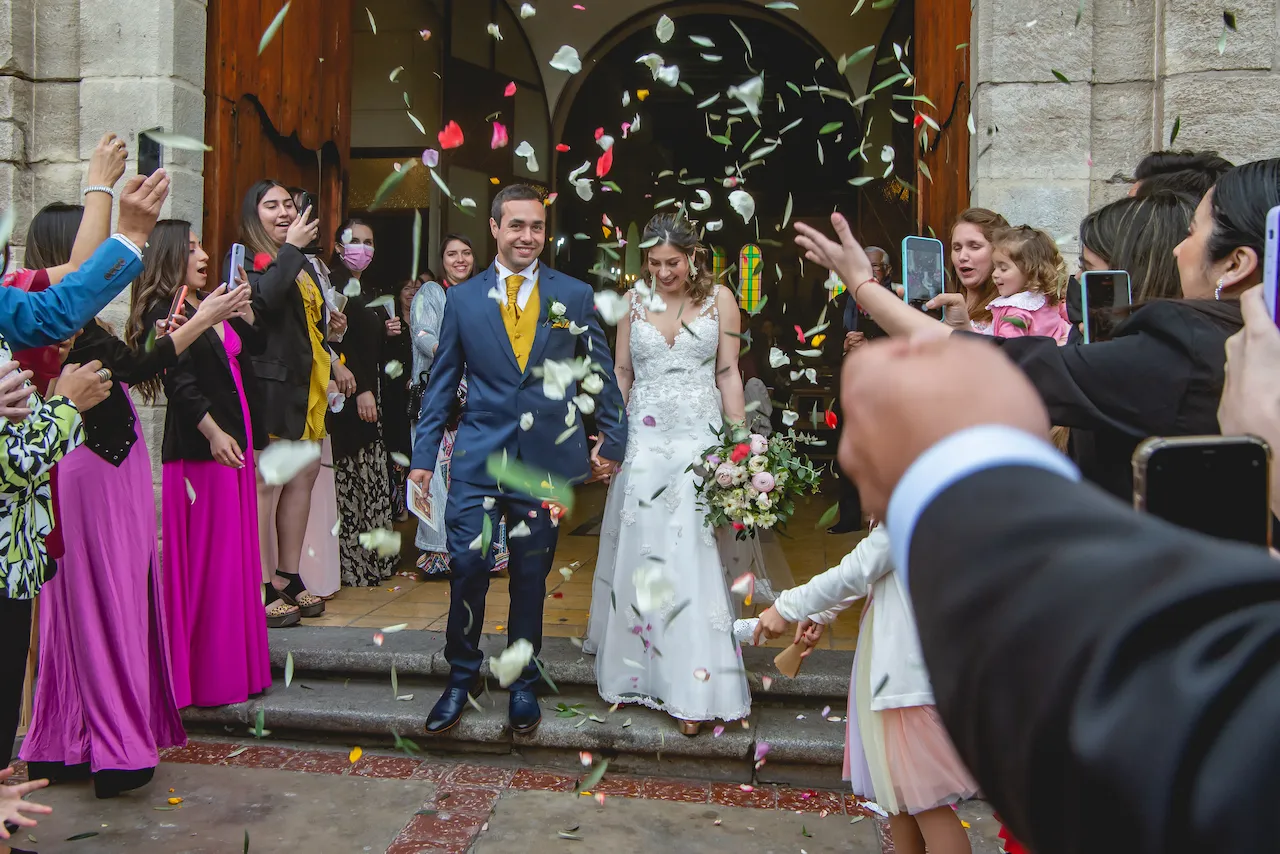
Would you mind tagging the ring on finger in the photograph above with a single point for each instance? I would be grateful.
(104, 374)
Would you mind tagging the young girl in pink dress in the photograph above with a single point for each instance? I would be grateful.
(1030, 276)
(897, 752)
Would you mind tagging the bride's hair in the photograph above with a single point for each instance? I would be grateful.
(677, 231)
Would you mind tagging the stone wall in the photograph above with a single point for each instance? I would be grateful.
(71, 70)
(1045, 151)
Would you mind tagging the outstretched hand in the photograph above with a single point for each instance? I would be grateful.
(13, 809)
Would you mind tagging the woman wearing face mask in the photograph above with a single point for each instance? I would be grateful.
(1162, 372)
(297, 373)
(427, 315)
(359, 456)
(104, 702)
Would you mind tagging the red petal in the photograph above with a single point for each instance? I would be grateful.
(562, 148)
(800, 334)
(604, 164)
(599, 133)
(451, 136)
(261, 261)
(510, 90)
(919, 120)
(831, 419)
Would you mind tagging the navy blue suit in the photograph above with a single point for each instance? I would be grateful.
(473, 340)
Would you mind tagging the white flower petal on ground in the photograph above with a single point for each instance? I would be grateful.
(282, 461)
(508, 666)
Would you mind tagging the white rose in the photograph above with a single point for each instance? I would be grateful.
(557, 309)
(593, 383)
(757, 464)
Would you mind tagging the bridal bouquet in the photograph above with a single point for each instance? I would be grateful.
(750, 482)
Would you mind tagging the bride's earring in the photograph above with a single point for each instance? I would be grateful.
(1217, 292)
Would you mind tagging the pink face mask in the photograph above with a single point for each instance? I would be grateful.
(357, 256)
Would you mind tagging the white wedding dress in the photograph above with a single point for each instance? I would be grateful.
(670, 650)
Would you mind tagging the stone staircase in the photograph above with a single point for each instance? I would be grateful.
(341, 692)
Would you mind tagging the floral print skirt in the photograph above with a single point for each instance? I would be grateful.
(364, 504)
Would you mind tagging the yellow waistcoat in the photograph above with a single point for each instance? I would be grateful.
(521, 332)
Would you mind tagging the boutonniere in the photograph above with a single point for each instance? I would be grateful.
(555, 312)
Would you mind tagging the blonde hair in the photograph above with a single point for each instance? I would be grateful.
(678, 232)
(1037, 257)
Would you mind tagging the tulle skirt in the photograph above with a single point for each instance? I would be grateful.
(902, 759)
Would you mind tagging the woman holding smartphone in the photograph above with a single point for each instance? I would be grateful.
(104, 702)
(359, 456)
(296, 371)
(1162, 372)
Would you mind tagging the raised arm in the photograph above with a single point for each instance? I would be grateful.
(733, 400)
(851, 578)
(105, 168)
(55, 314)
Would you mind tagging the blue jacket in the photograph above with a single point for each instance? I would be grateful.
(55, 314)
(474, 340)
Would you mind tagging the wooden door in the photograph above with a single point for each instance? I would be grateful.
(284, 114)
(942, 74)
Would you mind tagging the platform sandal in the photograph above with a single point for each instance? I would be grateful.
(295, 593)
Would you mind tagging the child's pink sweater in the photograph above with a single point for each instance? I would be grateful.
(1028, 313)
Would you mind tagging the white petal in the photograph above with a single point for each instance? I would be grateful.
(282, 461)
(715, 225)
(508, 666)
(749, 94)
(585, 403)
(665, 30)
(520, 530)
(612, 307)
(703, 203)
(669, 74)
(191, 490)
(526, 421)
(527, 11)
(741, 201)
(383, 542)
(777, 358)
(567, 60)
(789, 418)
(493, 30)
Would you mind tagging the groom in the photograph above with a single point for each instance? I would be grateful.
(498, 328)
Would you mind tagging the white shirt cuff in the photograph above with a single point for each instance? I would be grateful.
(952, 460)
(132, 247)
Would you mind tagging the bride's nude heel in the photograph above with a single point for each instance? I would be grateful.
(690, 728)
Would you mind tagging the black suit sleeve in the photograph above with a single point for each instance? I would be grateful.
(1132, 384)
(1112, 681)
(361, 347)
(127, 365)
(272, 287)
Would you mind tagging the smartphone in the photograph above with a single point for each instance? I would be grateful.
(1271, 271)
(150, 153)
(1217, 485)
(303, 201)
(923, 269)
(237, 261)
(174, 310)
(1102, 292)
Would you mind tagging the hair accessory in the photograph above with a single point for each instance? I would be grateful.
(1217, 292)
(99, 189)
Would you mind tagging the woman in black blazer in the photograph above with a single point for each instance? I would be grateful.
(1162, 372)
(297, 370)
(359, 455)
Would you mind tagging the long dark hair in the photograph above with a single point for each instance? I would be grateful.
(254, 237)
(339, 273)
(1138, 235)
(1240, 203)
(444, 246)
(164, 271)
(51, 235)
(676, 231)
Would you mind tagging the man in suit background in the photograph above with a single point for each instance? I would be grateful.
(1087, 660)
(511, 331)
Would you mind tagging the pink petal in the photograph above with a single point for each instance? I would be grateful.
(718, 731)
(510, 90)
(499, 136)
(431, 158)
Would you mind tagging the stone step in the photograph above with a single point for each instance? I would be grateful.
(804, 749)
(329, 651)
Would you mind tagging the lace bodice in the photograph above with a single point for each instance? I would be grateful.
(675, 384)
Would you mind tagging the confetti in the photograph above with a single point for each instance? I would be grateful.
(525, 150)
(451, 136)
(500, 138)
(493, 30)
(177, 140)
(394, 369)
(510, 91)
(430, 158)
(173, 802)
(665, 30)
(527, 11)
(702, 674)
(282, 461)
(382, 541)
(354, 756)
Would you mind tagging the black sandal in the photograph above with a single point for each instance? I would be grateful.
(295, 593)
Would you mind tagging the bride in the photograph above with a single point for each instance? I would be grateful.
(661, 622)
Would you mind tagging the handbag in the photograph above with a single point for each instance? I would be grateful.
(417, 391)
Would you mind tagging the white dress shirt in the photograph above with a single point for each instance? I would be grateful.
(952, 460)
(530, 274)
(129, 244)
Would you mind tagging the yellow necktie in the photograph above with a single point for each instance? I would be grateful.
(513, 292)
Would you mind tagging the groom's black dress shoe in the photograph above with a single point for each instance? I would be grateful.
(447, 711)
(525, 713)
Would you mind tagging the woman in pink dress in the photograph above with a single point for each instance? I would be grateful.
(212, 565)
(104, 701)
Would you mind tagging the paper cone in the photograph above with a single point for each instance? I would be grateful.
(788, 661)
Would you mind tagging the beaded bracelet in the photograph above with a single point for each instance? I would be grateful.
(98, 189)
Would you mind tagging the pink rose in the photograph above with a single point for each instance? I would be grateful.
(724, 475)
(763, 482)
(759, 444)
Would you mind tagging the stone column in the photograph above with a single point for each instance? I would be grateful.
(1047, 151)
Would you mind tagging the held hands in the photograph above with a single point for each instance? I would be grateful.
(83, 385)
(140, 204)
(106, 164)
(771, 626)
(13, 809)
(303, 230)
(15, 392)
(601, 468)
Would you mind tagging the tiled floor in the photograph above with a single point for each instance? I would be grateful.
(425, 604)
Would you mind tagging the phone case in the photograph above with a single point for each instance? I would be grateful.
(1143, 454)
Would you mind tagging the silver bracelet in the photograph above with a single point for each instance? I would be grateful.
(110, 192)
